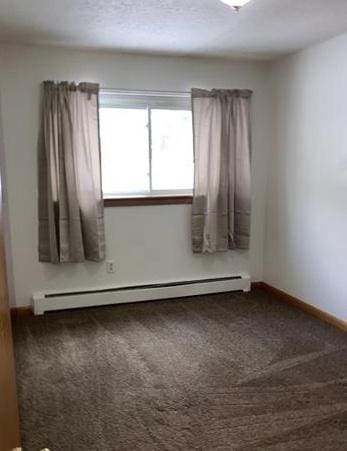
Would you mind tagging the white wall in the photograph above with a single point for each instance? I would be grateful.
(306, 227)
(149, 244)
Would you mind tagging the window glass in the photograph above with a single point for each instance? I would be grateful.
(125, 152)
(172, 150)
(146, 144)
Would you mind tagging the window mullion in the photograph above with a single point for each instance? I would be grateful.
(150, 147)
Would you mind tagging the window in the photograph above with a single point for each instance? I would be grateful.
(146, 144)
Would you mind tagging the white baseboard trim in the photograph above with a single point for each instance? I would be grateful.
(50, 301)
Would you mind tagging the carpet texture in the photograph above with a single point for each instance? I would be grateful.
(222, 372)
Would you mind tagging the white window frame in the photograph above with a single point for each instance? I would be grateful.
(166, 100)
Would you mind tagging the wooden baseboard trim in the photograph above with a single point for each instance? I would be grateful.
(279, 294)
(21, 311)
(257, 285)
(314, 311)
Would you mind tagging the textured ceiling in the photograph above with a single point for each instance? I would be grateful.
(262, 29)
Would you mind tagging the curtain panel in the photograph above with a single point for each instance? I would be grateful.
(221, 208)
(71, 216)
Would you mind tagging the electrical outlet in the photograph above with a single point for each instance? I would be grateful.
(110, 266)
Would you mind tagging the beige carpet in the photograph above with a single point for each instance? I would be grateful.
(222, 372)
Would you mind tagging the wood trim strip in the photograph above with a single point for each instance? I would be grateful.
(21, 311)
(147, 200)
(310, 309)
(257, 285)
(279, 294)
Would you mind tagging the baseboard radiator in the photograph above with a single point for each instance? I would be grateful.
(49, 301)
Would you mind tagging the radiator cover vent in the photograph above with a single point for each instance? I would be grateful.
(63, 300)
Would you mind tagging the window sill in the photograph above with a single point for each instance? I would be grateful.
(147, 200)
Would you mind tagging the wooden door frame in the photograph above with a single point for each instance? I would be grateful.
(9, 417)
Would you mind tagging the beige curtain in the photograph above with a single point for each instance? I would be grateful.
(222, 188)
(71, 218)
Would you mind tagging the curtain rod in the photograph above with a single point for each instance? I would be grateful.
(144, 92)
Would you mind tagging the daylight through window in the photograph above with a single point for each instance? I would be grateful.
(146, 144)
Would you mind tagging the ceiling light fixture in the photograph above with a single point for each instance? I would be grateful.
(235, 4)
